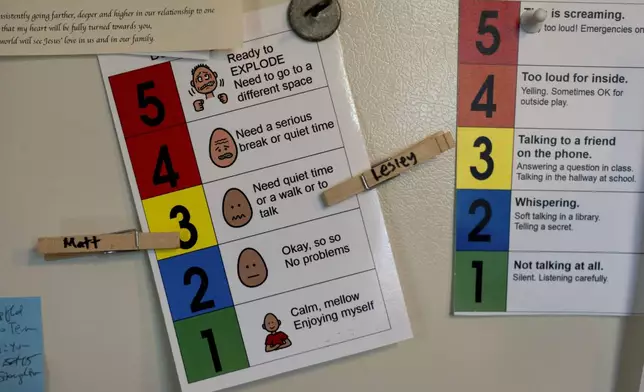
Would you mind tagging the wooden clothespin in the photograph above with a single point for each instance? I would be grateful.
(418, 153)
(79, 245)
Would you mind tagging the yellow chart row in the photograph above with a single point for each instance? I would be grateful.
(484, 158)
(185, 211)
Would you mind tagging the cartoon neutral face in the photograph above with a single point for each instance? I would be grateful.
(236, 208)
(251, 268)
(271, 323)
(204, 80)
(223, 149)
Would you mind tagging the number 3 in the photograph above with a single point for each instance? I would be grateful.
(485, 157)
(184, 223)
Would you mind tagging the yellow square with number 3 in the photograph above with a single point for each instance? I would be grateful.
(185, 211)
(484, 158)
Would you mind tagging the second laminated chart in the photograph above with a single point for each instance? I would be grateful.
(550, 147)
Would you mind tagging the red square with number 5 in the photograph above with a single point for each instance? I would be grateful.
(163, 162)
(147, 99)
(488, 32)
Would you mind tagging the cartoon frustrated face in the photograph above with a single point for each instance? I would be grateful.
(204, 80)
(251, 268)
(236, 208)
(223, 149)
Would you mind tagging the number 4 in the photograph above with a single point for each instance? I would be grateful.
(163, 159)
(489, 107)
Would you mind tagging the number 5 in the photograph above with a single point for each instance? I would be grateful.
(485, 28)
(144, 102)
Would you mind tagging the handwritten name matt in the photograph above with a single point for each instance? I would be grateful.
(86, 243)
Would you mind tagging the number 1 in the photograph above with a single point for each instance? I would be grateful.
(478, 283)
(214, 354)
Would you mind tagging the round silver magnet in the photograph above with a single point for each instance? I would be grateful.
(314, 20)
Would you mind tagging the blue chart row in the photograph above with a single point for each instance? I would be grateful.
(483, 220)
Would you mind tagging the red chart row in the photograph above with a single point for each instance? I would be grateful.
(487, 71)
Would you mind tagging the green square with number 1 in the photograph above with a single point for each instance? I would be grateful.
(480, 281)
(211, 344)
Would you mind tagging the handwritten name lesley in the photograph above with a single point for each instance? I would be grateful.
(390, 168)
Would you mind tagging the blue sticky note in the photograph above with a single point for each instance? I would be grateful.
(21, 349)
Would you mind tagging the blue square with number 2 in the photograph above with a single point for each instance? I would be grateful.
(195, 283)
(483, 220)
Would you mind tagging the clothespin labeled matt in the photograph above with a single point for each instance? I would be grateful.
(418, 153)
(130, 240)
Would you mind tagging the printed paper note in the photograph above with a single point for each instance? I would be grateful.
(41, 27)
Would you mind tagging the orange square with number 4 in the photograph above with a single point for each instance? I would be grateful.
(486, 96)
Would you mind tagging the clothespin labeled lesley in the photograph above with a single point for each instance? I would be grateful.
(418, 153)
(54, 248)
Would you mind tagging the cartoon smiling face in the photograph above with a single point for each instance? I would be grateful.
(236, 208)
(223, 149)
(271, 323)
(251, 268)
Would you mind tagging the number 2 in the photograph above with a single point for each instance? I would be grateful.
(184, 223)
(475, 235)
(144, 102)
(489, 107)
(197, 303)
(478, 282)
(485, 157)
(485, 28)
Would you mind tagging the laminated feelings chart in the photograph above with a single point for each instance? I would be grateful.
(234, 153)
(550, 158)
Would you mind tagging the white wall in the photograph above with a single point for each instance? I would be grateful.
(61, 172)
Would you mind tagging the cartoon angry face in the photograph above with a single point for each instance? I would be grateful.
(236, 208)
(251, 268)
(204, 80)
(223, 149)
